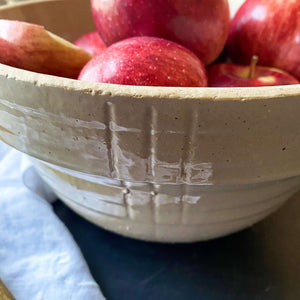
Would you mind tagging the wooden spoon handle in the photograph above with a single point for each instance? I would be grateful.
(5, 294)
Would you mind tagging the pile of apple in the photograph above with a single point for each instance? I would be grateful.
(191, 43)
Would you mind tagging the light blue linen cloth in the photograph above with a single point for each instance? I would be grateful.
(39, 259)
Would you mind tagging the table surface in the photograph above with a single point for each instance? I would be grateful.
(262, 262)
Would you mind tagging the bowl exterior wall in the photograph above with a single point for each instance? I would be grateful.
(160, 140)
(167, 213)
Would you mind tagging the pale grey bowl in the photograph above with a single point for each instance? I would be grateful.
(159, 164)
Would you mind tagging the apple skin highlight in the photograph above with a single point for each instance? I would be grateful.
(269, 29)
(199, 25)
(146, 61)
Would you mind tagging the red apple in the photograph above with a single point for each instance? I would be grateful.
(269, 29)
(91, 42)
(232, 75)
(31, 47)
(146, 61)
(199, 25)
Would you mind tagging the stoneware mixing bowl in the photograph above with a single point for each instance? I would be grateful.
(159, 164)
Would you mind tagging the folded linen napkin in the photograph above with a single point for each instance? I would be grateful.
(38, 257)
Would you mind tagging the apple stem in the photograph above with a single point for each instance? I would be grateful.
(253, 64)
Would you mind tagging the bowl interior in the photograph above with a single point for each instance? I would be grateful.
(72, 18)
(68, 18)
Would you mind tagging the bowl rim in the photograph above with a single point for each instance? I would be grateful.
(199, 93)
(152, 92)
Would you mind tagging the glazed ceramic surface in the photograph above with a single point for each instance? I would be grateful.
(159, 164)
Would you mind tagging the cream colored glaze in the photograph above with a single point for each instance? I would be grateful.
(167, 213)
(165, 147)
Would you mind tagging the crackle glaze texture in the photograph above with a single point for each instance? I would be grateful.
(161, 164)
